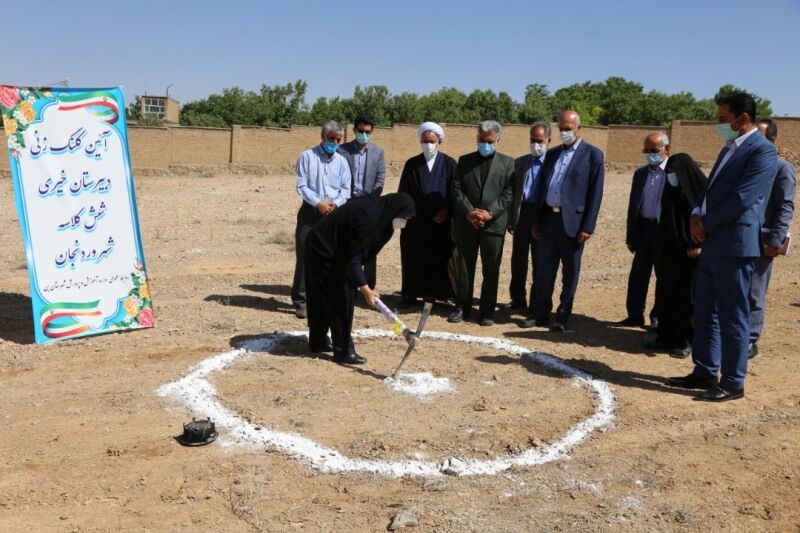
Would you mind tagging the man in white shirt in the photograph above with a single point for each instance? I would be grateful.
(323, 182)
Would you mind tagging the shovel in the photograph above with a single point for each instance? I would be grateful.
(413, 337)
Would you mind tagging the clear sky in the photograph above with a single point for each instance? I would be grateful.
(200, 47)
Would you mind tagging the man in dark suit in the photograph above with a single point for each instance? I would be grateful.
(727, 221)
(642, 235)
(527, 170)
(774, 231)
(482, 191)
(569, 196)
(368, 171)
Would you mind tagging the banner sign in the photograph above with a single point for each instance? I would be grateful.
(74, 193)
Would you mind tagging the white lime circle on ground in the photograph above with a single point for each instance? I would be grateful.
(200, 397)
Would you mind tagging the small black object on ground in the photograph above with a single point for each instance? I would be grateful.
(198, 433)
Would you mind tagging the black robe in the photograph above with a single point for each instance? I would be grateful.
(425, 246)
(675, 283)
(336, 248)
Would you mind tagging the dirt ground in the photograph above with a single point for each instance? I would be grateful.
(86, 445)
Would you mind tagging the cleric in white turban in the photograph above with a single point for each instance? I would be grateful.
(426, 242)
(431, 126)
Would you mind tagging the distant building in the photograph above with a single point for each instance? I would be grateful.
(161, 108)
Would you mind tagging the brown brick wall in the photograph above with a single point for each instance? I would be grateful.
(789, 133)
(698, 139)
(150, 147)
(625, 144)
(200, 146)
(275, 150)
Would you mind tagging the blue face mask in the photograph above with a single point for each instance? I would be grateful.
(362, 138)
(330, 147)
(653, 159)
(486, 149)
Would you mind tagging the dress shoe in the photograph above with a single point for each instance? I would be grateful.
(512, 306)
(692, 382)
(681, 353)
(719, 394)
(300, 311)
(752, 350)
(559, 327)
(653, 325)
(486, 321)
(327, 347)
(631, 322)
(456, 316)
(351, 358)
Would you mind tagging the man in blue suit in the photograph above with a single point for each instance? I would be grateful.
(726, 221)
(642, 235)
(568, 202)
(367, 170)
(774, 231)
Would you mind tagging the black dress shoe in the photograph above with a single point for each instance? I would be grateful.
(681, 353)
(752, 350)
(351, 358)
(327, 347)
(456, 316)
(512, 306)
(719, 394)
(653, 325)
(692, 382)
(559, 327)
(631, 322)
(300, 311)
(486, 321)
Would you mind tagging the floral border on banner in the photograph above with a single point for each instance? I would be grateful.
(16, 107)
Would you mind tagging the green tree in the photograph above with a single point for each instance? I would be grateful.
(448, 104)
(537, 105)
(134, 109)
(406, 109)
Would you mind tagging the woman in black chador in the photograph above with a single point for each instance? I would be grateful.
(675, 283)
(336, 249)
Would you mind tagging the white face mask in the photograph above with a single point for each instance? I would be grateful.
(672, 178)
(538, 149)
(429, 149)
(568, 137)
(399, 223)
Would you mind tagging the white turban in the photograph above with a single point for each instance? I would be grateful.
(431, 126)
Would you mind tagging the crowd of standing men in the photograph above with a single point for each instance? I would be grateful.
(711, 241)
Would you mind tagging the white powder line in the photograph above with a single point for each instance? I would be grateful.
(200, 397)
(423, 385)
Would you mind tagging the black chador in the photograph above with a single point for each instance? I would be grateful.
(336, 249)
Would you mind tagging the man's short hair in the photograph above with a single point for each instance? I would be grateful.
(364, 119)
(739, 102)
(544, 125)
(490, 125)
(330, 126)
(771, 132)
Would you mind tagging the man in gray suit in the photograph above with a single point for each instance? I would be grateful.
(482, 192)
(368, 171)
(774, 230)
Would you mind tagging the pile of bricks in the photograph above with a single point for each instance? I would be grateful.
(790, 156)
